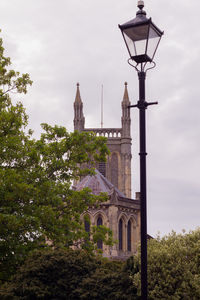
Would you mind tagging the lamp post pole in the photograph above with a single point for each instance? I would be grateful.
(142, 38)
(142, 106)
(142, 121)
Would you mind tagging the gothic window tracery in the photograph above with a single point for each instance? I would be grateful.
(120, 234)
(87, 225)
(129, 236)
(99, 242)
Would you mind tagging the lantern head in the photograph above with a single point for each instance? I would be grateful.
(141, 36)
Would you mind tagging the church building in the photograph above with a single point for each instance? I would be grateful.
(120, 213)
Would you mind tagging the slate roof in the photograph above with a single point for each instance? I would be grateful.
(98, 183)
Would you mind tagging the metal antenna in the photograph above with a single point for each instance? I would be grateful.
(102, 106)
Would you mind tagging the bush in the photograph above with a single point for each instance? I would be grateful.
(68, 274)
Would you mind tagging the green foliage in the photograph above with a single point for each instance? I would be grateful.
(173, 267)
(109, 281)
(69, 275)
(37, 203)
(173, 273)
(50, 275)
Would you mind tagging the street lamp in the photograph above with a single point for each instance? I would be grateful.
(142, 38)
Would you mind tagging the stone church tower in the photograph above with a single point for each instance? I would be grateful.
(118, 167)
(121, 213)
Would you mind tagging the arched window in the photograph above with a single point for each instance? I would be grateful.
(99, 242)
(120, 234)
(99, 221)
(129, 233)
(87, 226)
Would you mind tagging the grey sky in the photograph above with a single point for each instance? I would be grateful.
(67, 41)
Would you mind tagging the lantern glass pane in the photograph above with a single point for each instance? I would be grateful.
(140, 47)
(136, 39)
(137, 33)
(154, 38)
(130, 45)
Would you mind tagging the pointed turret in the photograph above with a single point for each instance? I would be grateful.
(78, 95)
(79, 120)
(126, 143)
(126, 120)
(126, 97)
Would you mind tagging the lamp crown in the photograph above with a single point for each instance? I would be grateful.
(141, 11)
(140, 4)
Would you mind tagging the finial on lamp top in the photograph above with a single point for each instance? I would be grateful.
(140, 4)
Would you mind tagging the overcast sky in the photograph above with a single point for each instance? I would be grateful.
(60, 43)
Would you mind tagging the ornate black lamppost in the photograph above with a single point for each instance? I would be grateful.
(142, 38)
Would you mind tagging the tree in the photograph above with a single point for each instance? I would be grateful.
(114, 282)
(173, 267)
(38, 207)
(70, 274)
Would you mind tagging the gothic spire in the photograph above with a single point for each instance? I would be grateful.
(79, 120)
(126, 120)
(126, 97)
(78, 95)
